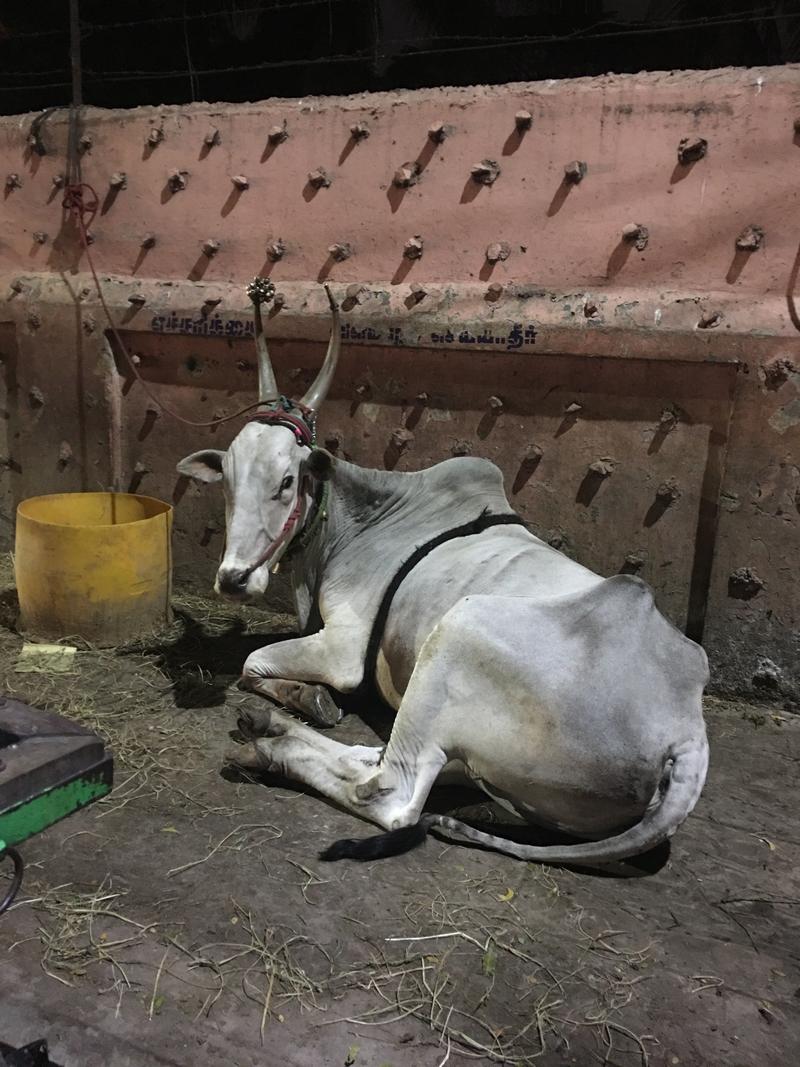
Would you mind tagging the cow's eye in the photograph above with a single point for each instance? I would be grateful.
(287, 483)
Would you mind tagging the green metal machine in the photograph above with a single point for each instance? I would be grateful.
(50, 767)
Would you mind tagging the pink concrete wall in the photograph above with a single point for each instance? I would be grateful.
(626, 333)
(625, 128)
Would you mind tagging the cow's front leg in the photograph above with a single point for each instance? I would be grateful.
(313, 701)
(287, 671)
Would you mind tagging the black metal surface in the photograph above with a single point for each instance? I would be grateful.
(16, 879)
(34, 1055)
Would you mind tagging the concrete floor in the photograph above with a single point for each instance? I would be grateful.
(185, 920)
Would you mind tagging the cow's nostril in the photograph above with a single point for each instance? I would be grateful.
(233, 581)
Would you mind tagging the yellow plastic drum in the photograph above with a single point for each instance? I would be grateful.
(93, 565)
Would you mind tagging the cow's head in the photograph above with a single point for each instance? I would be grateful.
(268, 473)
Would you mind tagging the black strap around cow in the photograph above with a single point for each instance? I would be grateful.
(483, 522)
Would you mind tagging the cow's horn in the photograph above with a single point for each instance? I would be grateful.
(260, 290)
(322, 383)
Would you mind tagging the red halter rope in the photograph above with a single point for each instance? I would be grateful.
(283, 536)
(303, 427)
(299, 425)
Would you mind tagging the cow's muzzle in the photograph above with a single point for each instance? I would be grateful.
(232, 582)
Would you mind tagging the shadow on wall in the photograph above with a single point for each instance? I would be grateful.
(10, 465)
(791, 289)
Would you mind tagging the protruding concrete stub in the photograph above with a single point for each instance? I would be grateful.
(319, 178)
(439, 131)
(407, 175)
(35, 397)
(767, 675)
(354, 292)
(414, 247)
(212, 138)
(750, 239)
(523, 120)
(744, 584)
(667, 420)
(278, 134)
(211, 247)
(573, 409)
(602, 468)
(13, 181)
(486, 172)
(340, 251)
(496, 405)
(690, 149)
(494, 291)
(155, 136)
(40, 237)
(668, 492)
(240, 181)
(276, 250)
(634, 561)
(461, 448)
(149, 240)
(636, 234)
(118, 180)
(498, 252)
(178, 180)
(359, 131)
(575, 171)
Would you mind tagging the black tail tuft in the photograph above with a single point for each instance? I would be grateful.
(392, 843)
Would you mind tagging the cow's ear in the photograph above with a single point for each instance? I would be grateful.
(319, 464)
(205, 466)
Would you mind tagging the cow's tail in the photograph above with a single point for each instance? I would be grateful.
(681, 784)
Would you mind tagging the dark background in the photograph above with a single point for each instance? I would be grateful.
(176, 51)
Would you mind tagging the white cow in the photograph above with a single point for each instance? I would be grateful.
(566, 697)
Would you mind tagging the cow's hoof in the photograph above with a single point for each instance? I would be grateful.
(242, 756)
(254, 723)
(320, 707)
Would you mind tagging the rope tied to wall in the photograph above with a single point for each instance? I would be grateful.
(82, 202)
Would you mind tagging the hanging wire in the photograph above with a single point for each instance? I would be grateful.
(82, 202)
